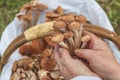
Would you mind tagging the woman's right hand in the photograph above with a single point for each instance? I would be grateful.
(100, 58)
(71, 68)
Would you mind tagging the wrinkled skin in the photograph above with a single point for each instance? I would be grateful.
(100, 58)
(70, 67)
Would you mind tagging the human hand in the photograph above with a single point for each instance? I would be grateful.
(100, 58)
(70, 67)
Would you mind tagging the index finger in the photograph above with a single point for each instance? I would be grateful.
(56, 55)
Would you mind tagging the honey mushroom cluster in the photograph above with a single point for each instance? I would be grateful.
(68, 30)
(36, 67)
(39, 63)
(27, 11)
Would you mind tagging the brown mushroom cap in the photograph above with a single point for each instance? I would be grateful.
(81, 19)
(68, 34)
(39, 44)
(85, 38)
(48, 64)
(59, 24)
(59, 10)
(74, 26)
(68, 18)
(27, 50)
(52, 14)
(57, 38)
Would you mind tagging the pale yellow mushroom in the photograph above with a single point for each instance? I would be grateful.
(84, 41)
(58, 38)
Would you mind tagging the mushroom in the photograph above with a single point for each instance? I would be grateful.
(42, 74)
(69, 36)
(27, 74)
(47, 63)
(80, 34)
(58, 39)
(15, 76)
(39, 45)
(46, 53)
(26, 19)
(15, 65)
(67, 18)
(32, 75)
(59, 10)
(61, 78)
(81, 19)
(55, 74)
(26, 49)
(52, 14)
(24, 62)
(60, 25)
(27, 11)
(23, 75)
(49, 42)
(85, 40)
(75, 26)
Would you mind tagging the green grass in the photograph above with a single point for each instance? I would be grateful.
(8, 10)
(112, 8)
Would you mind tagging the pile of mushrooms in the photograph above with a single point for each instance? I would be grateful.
(65, 30)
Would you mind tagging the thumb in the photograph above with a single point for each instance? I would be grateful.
(85, 53)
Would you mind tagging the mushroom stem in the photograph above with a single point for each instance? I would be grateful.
(62, 44)
(84, 41)
(69, 36)
(80, 34)
(74, 26)
(58, 38)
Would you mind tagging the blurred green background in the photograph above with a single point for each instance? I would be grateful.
(9, 8)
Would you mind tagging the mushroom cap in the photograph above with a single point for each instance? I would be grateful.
(38, 44)
(52, 14)
(74, 26)
(68, 18)
(39, 6)
(59, 24)
(27, 50)
(59, 10)
(46, 53)
(48, 64)
(57, 38)
(49, 42)
(69, 34)
(81, 19)
(85, 38)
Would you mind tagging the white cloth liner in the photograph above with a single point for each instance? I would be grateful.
(88, 8)
(85, 78)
